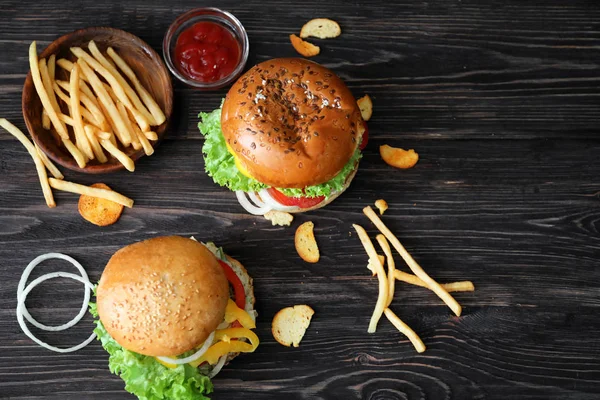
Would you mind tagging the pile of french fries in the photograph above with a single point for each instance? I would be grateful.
(387, 283)
(106, 116)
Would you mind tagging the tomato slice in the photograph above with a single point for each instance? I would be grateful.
(302, 202)
(236, 324)
(365, 137)
(238, 288)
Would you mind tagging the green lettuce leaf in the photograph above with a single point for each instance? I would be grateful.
(333, 185)
(218, 161)
(148, 379)
(220, 164)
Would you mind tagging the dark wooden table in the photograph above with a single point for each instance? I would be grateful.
(501, 99)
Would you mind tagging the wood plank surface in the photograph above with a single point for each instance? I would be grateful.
(501, 99)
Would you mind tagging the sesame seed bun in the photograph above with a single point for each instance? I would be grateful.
(162, 296)
(291, 122)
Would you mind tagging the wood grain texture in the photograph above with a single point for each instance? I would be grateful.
(501, 101)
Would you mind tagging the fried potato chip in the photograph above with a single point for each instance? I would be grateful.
(322, 28)
(306, 244)
(99, 211)
(397, 157)
(279, 218)
(290, 324)
(304, 48)
(366, 107)
(381, 205)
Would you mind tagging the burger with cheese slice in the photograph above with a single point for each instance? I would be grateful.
(171, 312)
(288, 137)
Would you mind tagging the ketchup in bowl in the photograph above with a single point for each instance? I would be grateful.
(207, 52)
(206, 48)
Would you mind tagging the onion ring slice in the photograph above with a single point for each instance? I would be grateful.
(218, 366)
(34, 263)
(21, 308)
(255, 199)
(270, 201)
(178, 361)
(252, 209)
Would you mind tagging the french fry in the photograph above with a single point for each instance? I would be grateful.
(119, 127)
(147, 146)
(100, 134)
(371, 264)
(383, 284)
(51, 70)
(91, 136)
(88, 116)
(67, 66)
(47, 81)
(462, 286)
(79, 157)
(52, 66)
(52, 114)
(45, 120)
(413, 265)
(112, 130)
(385, 246)
(151, 135)
(48, 164)
(41, 91)
(85, 89)
(135, 100)
(405, 330)
(135, 141)
(153, 107)
(120, 92)
(141, 122)
(71, 187)
(82, 139)
(118, 154)
(89, 102)
(39, 165)
(66, 119)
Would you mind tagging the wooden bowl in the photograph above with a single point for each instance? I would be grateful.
(145, 62)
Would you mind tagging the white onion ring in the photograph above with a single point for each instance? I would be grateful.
(255, 199)
(178, 361)
(21, 308)
(270, 201)
(218, 366)
(252, 209)
(223, 325)
(34, 263)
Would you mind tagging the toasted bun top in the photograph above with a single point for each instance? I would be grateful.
(291, 122)
(162, 296)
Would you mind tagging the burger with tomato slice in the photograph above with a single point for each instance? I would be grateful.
(171, 312)
(288, 137)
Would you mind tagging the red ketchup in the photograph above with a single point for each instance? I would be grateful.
(207, 52)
